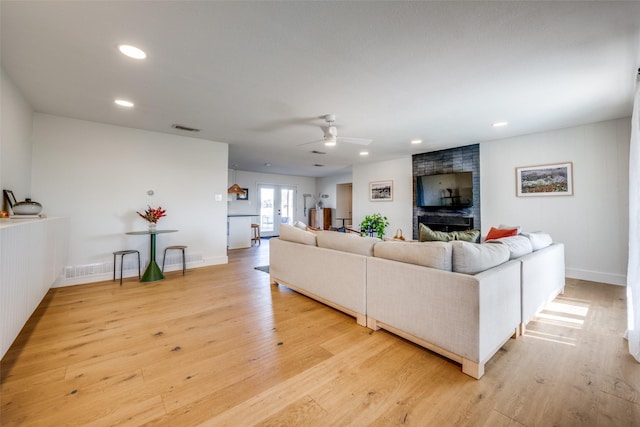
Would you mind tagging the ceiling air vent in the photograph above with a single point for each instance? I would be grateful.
(318, 152)
(318, 165)
(185, 128)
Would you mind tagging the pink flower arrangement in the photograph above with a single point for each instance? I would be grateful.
(153, 215)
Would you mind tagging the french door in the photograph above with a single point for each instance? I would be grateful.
(277, 206)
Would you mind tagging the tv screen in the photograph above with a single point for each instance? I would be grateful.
(452, 190)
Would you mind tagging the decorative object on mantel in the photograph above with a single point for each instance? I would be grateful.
(152, 215)
(398, 235)
(374, 223)
(545, 180)
(381, 191)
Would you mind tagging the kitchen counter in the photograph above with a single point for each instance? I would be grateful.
(239, 230)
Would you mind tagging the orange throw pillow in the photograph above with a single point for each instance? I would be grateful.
(497, 233)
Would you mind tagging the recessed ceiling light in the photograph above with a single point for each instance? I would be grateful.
(132, 51)
(499, 124)
(267, 164)
(416, 141)
(364, 153)
(124, 103)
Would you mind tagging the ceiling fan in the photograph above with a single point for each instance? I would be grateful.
(331, 138)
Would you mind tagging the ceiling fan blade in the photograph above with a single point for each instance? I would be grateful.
(317, 141)
(359, 141)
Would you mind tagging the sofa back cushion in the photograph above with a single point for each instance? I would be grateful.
(472, 258)
(297, 235)
(346, 242)
(539, 240)
(518, 245)
(428, 254)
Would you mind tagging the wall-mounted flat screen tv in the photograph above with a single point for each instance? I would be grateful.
(448, 190)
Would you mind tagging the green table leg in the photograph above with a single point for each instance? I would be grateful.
(153, 272)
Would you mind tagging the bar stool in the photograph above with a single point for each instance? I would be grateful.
(122, 254)
(177, 247)
(255, 233)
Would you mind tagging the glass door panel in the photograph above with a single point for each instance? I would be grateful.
(277, 206)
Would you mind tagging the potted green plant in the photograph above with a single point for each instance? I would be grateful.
(374, 223)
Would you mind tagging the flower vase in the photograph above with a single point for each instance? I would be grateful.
(152, 226)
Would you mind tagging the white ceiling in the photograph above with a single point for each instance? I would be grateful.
(260, 75)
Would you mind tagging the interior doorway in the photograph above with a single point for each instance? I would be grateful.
(277, 206)
(344, 203)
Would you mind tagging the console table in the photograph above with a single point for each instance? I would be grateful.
(153, 272)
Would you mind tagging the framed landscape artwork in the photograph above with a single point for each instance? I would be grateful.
(381, 191)
(545, 180)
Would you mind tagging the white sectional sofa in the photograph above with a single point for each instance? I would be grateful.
(328, 269)
(462, 300)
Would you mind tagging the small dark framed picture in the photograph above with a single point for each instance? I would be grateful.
(244, 196)
(8, 194)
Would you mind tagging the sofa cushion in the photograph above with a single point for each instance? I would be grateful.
(426, 234)
(297, 235)
(496, 233)
(518, 245)
(346, 242)
(472, 258)
(428, 254)
(539, 240)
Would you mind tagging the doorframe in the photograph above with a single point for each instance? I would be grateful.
(277, 215)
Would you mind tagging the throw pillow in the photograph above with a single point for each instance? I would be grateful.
(468, 235)
(294, 234)
(428, 235)
(510, 227)
(497, 233)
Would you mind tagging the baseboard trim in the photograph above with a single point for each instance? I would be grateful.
(597, 276)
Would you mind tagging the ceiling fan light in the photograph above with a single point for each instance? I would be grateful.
(330, 142)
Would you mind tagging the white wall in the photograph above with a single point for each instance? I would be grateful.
(399, 211)
(593, 223)
(98, 176)
(15, 141)
(327, 185)
(250, 180)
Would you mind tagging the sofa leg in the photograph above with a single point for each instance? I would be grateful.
(472, 369)
(516, 334)
(361, 319)
(522, 328)
(372, 323)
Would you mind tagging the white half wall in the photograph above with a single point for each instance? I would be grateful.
(15, 141)
(98, 176)
(593, 223)
(399, 211)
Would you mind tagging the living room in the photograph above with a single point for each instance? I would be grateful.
(97, 174)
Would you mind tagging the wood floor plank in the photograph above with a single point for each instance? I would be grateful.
(223, 346)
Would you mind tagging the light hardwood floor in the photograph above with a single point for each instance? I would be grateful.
(223, 346)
